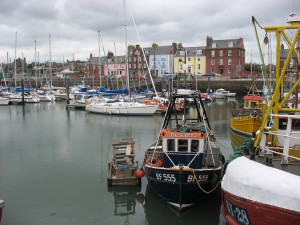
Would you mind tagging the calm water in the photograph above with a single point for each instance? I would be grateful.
(53, 168)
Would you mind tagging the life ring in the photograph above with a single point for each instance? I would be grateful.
(154, 162)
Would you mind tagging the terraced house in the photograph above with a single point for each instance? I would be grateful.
(225, 57)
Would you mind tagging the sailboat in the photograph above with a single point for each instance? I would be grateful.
(3, 100)
(263, 187)
(122, 107)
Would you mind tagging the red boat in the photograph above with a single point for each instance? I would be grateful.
(265, 189)
(1, 206)
(257, 194)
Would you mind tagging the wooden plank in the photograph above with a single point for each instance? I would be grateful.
(129, 162)
(128, 150)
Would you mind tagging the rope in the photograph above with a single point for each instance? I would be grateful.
(206, 192)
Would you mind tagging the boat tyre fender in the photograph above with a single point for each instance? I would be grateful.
(155, 162)
(192, 125)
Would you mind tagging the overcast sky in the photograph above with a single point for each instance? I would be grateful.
(74, 24)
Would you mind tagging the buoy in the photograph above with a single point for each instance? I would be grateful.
(140, 173)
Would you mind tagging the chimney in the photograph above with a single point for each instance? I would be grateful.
(209, 41)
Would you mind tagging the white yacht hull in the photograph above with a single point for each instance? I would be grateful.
(122, 108)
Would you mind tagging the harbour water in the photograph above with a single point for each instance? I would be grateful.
(54, 167)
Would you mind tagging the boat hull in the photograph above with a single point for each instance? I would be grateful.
(4, 101)
(254, 193)
(1, 208)
(245, 125)
(180, 188)
(122, 109)
(238, 210)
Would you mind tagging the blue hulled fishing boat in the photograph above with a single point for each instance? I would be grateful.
(185, 165)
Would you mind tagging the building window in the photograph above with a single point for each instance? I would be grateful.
(229, 69)
(212, 53)
(212, 62)
(198, 66)
(212, 70)
(134, 59)
(189, 59)
(221, 53)
(134, 66)
(230, 44)
(229, 62)
(129, 66)
(221, 62)
(182, 52)
(198, 59)
(214, 45)
(229, 53)
(199, 52)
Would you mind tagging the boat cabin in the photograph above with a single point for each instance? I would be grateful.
(180, 141)
(253, 102)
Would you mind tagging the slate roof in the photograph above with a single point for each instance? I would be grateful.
(190, 51)
(162, 50)
(222, 44)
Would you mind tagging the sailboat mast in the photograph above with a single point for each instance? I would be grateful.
(36, 83)
(126, 55)
(22, 66)
(99, 62)
(15, 69)
(39, 75)
(50, 61)
(115, 66)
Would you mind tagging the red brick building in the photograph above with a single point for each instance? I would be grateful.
(225, 57)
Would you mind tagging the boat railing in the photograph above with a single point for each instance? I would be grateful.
(288, 135)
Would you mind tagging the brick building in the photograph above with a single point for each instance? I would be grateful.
(225, 57)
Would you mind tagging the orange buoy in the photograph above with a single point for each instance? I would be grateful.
(140, 173)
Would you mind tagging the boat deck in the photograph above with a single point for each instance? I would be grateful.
(293, 165)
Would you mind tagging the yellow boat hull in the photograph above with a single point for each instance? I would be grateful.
(245, 125)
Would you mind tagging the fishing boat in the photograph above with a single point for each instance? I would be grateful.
(263, 187)
(1, 208)
(185, 165)
(247, 119)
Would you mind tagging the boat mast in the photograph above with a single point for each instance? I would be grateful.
(15, 69)
(99, 62)
(115, 66)
(126, 55)
(22, 66)
(50, 61)
(35, 64)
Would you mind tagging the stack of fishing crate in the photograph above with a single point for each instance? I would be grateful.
(122, 169)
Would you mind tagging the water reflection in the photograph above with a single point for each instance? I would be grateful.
(125, 200)
(236, 140)
(158, 212)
